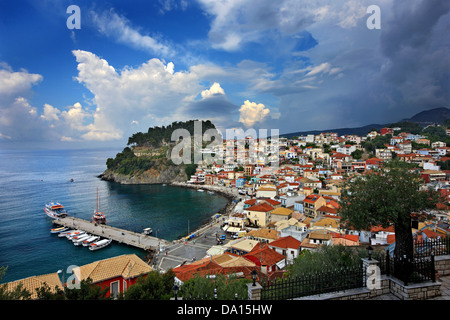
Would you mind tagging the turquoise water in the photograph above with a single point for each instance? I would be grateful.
(29, 179)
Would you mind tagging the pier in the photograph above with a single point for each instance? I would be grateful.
(135, 239)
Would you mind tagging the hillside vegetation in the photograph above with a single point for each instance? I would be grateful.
(146, 158)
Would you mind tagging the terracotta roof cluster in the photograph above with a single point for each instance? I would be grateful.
(127, 266)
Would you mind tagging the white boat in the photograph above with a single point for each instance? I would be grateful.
(89, 240)
(55, 210)
(77, 237)
(59, 230)
(78, 240)
(210, 192)
(65, 233)
(147, 231)
(75, 234)
(200, 190)
(99, 244)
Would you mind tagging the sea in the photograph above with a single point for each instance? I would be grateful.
(31, 178)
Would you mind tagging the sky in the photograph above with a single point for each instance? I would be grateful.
(290, 65)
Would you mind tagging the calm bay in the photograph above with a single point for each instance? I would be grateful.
(31, 178)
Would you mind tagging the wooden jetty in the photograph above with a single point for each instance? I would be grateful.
(135, 239)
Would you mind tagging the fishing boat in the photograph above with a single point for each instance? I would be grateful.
(99, 244)
(55, 210)
(89, 240)
(59, 230)
(147, 231)
(98, 216)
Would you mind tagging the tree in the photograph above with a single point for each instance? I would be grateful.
(385, 197)
(18, 293)
(155, 286)
(202, 288)
(326, 257)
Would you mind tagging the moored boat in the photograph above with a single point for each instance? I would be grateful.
(98, 216)
(99, 244)
(89, 240)
(80, 239)
(147, 231)
(65, 233)
(74, 234)
(55, 210)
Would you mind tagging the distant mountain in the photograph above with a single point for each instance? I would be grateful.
(423, 118)
(426, 117)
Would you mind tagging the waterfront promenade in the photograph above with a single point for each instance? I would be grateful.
(137, 240)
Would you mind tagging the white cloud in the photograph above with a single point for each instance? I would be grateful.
(14, 83)
(118, 27)
(252, 112)
(215, 89)
(151, 94)
(50, 113)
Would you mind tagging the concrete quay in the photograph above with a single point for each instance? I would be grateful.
(138, 240)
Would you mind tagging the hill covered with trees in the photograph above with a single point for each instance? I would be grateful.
(147, 156)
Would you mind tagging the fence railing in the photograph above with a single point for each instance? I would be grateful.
(312, 284)
(438, 247)
(410, 270)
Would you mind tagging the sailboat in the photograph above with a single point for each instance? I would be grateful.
(98, 217)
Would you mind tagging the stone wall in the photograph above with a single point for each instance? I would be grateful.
(442, 264)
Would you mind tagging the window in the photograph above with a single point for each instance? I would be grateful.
(114, 289)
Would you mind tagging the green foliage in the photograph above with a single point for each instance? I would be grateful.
(406, 126)
(155, 286)
(157, 135)
(357, 154)
(87, 291)
(18, 293)
(202, 288)
(127, 163)
(190, 169)
(325, 258)
(387, 197)
(376, 143)
(445, 165)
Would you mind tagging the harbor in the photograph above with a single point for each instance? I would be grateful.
(138, 240)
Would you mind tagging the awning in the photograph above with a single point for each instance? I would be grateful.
(281, 264)
(233, 229)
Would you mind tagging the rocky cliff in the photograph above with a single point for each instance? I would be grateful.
(151, 176)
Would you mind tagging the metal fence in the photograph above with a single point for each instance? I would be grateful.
(438, 247)
(314, 283)
(410, 270)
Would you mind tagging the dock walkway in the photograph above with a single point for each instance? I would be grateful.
(138, 240)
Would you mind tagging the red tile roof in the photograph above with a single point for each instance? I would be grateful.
(263, 207)
(263, 255)
(286, 242)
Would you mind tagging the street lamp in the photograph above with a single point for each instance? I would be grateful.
(254, 275)
(175, 291)
(369, 252)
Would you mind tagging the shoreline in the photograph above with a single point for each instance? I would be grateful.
(222, 191)
(210, 221)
